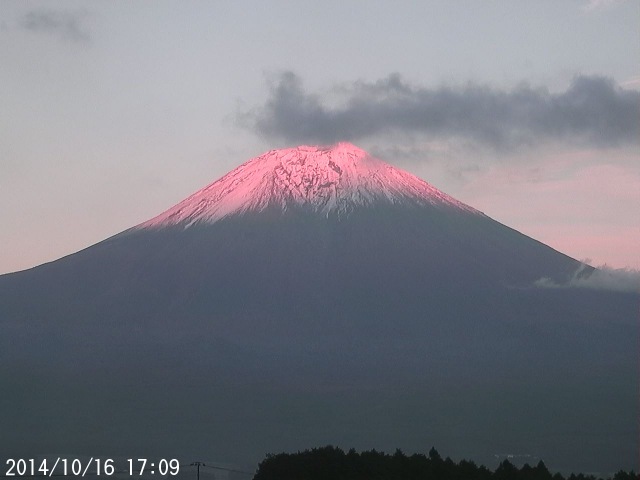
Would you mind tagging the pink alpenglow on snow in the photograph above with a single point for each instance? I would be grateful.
(326, 180)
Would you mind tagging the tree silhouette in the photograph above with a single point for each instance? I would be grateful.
(331, 463)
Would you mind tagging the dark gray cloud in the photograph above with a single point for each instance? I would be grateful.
(62, 23)
(592, 111)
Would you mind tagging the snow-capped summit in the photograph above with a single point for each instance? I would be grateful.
(329, 180)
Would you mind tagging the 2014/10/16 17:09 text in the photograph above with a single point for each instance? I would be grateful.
(21, 467)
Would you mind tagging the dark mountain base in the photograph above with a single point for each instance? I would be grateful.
(396, 329)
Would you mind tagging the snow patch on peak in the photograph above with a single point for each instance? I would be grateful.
(328, 180)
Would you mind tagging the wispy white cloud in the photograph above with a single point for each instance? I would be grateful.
(600, 4)
(601, 278)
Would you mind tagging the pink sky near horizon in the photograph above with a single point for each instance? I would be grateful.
(589, 213)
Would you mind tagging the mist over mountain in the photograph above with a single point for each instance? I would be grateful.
(317, 295)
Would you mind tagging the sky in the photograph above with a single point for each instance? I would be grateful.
(112, 112)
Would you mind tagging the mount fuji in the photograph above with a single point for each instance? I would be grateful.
(311, 296)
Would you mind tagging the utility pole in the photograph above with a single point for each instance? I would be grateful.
(198, 464)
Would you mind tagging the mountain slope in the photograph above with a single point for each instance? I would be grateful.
(313, 296)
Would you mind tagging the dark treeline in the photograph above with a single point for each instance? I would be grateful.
(331, 463)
